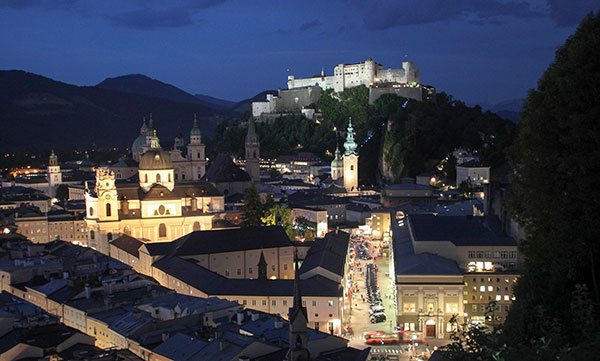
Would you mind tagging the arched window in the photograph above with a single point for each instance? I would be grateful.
(108, 210)
(92, 235)
(169, 177)
(109, 236)
(162, 230)
(145, 178)
(157, 177)
(196, 226)
(91, 211)
(198, 155)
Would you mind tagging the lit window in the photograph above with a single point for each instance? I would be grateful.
(490, 288)
(481, 288)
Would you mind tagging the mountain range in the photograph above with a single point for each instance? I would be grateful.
(39, 112)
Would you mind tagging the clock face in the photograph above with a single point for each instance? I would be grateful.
(107, 197)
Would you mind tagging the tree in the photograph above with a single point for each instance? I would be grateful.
(280, 215)
(555, 199)
(306, 229)
(252, 211)
(62, 192)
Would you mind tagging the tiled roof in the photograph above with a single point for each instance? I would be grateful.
(460, 230)
(128, 244)
(237, 239)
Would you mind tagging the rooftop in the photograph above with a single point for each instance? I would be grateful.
(460, 230)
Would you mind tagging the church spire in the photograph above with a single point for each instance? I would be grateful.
(251, 129)
(298, 319)
(262, 267)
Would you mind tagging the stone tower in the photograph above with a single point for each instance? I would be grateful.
(106, 190)
(195, 152)
(252, 153)
(298, 319)
(337, 165)
(350, 161)
(54, 174)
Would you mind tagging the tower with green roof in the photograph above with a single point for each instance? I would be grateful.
(350, 160)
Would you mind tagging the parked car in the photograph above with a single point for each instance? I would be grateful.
(377, 317)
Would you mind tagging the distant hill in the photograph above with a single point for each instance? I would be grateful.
(215, 102)
(246, 104)
(40, 112)
(143, 85)
(507, 109)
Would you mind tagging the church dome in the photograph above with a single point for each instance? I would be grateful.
(155, 158)
(138, 143)
(337, 161)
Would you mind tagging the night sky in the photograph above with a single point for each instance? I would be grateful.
(477, 50)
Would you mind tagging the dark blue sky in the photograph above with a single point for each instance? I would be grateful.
(477, 50)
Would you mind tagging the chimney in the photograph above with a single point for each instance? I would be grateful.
(88, 291)
(194, 202)
(125, 206)
(255, 316)
(240, 318)
(223, 345)
(65, 275)
(278, 322)
(165, 336)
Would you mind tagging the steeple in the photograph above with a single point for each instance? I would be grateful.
(144, 128)
(252, 153)
(262, 267)
(251, 129)
(53, 161)
(154, 144)
(298, 319)
(350, 144)
(151, 125)
(195, 130)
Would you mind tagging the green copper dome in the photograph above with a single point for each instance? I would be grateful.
(350, 145)
(337, 161)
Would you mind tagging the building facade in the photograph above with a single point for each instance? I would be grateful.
(155, 209)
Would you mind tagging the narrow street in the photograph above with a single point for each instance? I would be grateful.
(358, 310)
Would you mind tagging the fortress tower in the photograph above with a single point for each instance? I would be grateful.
(252, 153)
(350, 161)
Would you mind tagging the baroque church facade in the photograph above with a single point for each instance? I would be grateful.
(160, 207)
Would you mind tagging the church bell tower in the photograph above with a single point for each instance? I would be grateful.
(350, 161)
(252, 153)
(54, 173)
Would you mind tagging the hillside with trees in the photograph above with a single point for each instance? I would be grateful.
(397, 137)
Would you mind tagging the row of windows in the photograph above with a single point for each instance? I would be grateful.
(492, 254)
(482, 308)
(157, 178)
(411, 307)
(285, 303)
(491, 279)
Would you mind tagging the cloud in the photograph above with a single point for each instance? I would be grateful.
(571, 12)
(47, 4)
(310, 24)
(152, 17)
(149, 19)
(392, 13)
